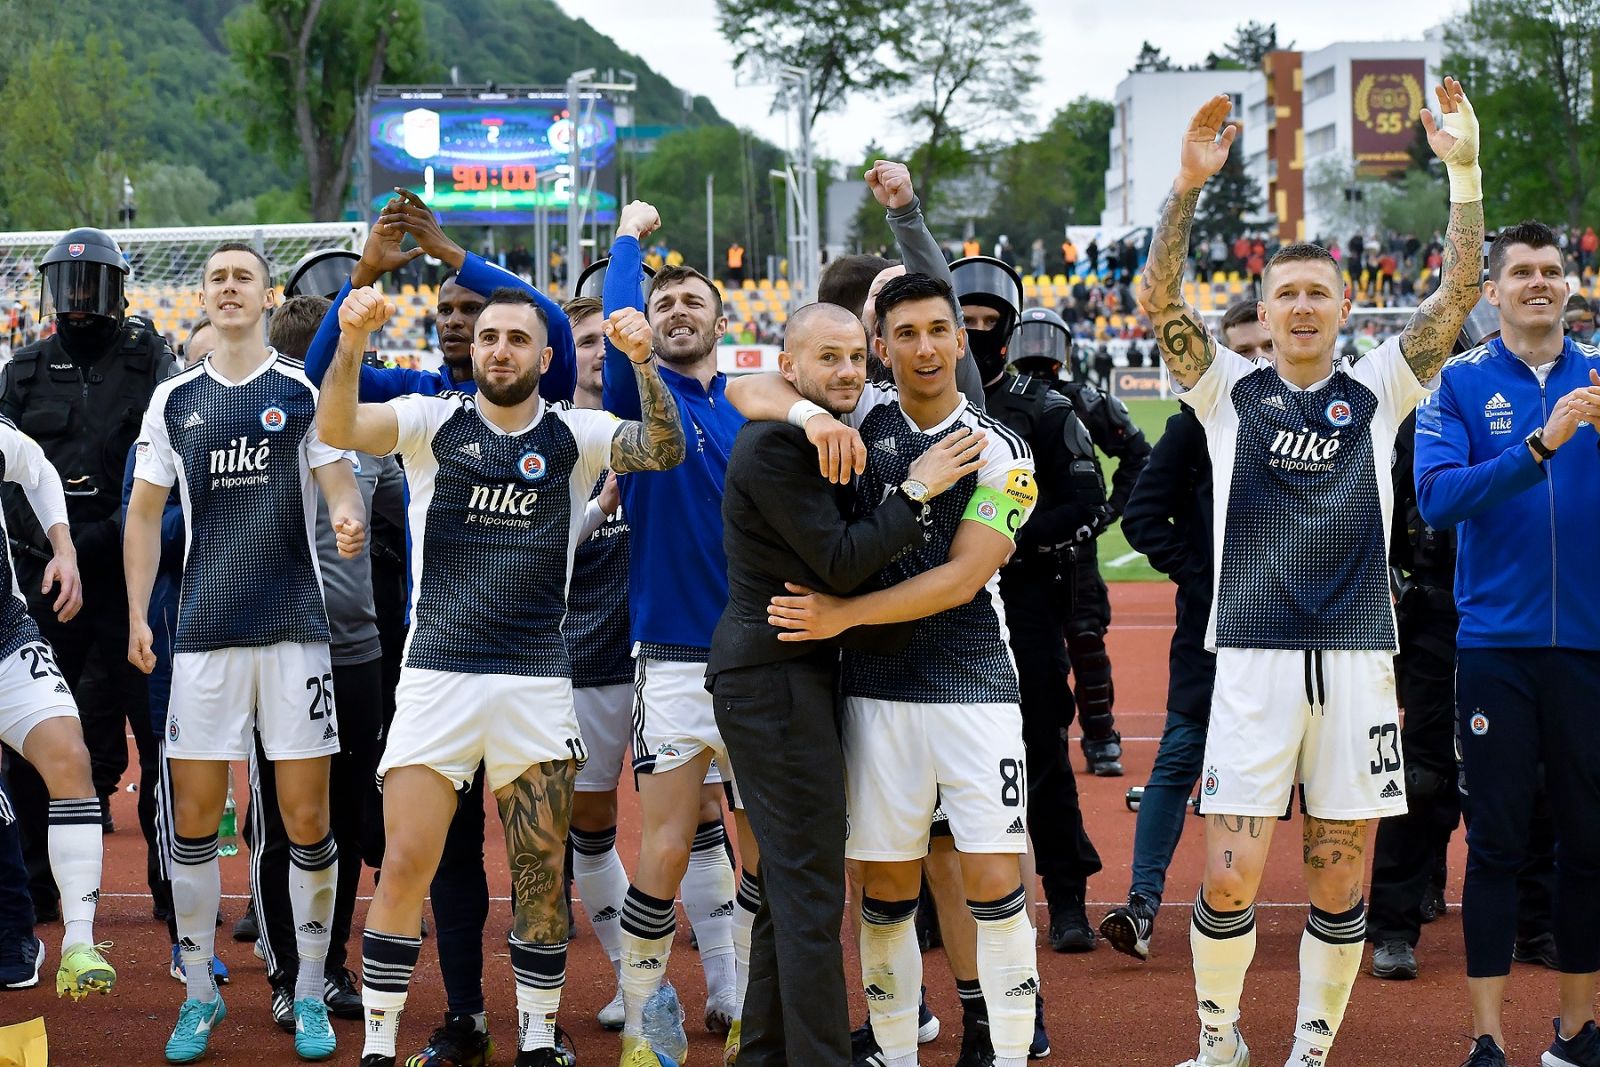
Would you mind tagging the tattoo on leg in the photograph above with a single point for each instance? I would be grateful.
(1239, 824)
(1227, 858)
(537, 812)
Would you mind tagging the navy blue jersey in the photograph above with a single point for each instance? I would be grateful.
(241, 454)
(962, 655)
(1301, 522)
(597, 605)
(494, 519)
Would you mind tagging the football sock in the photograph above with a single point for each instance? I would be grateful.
(744, 917)
(647, 926)
(707, 892)
(541, 971)
(602, 884)
(196, 891)
(1223, 944)
(313, 878)
(75, 847)
(1008, 974)
(891, 973)
(387, 961)
(1330, 957)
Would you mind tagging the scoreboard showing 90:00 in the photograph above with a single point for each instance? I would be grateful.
(490, 158)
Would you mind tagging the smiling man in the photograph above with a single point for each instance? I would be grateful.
(1302, 622)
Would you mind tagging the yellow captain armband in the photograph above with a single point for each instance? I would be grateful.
(997, 510)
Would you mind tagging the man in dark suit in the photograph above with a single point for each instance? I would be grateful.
(777, 702)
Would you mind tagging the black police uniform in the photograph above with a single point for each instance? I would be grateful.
(85, 411)
(1409, 853)
(1036, 587)
(1116, 434)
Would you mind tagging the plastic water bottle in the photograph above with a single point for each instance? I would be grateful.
(228, 832)
(663, 1026)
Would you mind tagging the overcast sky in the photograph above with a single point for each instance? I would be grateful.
(1086, 45)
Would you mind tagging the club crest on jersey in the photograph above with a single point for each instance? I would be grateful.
(274, 419)
(531, 466)
(1479, 724)
(1338, 412)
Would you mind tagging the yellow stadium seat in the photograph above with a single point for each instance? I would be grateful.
(749, 283)
(1060, 281)
(408, 290)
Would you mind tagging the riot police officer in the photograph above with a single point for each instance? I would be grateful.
(1036, 586)
(81, 393)
(1049, 349)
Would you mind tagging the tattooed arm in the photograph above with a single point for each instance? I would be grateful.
(1431, 333)
(1186, 344)
(655, 442)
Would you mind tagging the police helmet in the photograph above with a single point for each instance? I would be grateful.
(84, 273)
(592, 282)
(321, 273)
(1481, 325)
(1041, 344)
(991, 283)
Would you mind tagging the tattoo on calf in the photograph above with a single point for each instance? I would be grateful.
(537, 812)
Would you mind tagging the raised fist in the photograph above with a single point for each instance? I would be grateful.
(639, 220)
(629, 330)
(364, 310)
(890, 183)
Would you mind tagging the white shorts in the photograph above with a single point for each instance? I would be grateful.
(673, 721)
(31, 691)
(903, 760)
(1328, 719)
(284, 692)
(605, 718)
(450, 722)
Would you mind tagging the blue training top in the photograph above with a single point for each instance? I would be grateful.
(1525, 529)
(482, 277)
(677, 573)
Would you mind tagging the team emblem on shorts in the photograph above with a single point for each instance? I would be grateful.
(987, 510)
(1339, 413)
(531, 466)
(172, 729)
(1479, 724)
(274, 419)
(1211, 782)
(670, 751)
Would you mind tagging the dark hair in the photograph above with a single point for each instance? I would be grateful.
(201, 323)
(1579, 302)
(1529, 232)
(581, 307)
(1301, 252)
(240, 246)
(510, 294)
(909, 287)
(1239, 312)
(847, 280)
(295, 323)
(677, 275)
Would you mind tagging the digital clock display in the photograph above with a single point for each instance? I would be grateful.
(488, 158)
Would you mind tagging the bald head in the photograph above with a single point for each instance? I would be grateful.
(825, 356)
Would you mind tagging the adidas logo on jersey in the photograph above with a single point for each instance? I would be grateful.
(471, 448)
(888, 445)
(877, 992)
(1392, 791)
(1497, 405)
(1028, 988)
(1319, 1027)
(193, 421)
(1016, 826)
(1273, 401)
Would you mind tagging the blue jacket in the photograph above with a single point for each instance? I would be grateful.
(1525, 529)
(385, 383)
(677, 571)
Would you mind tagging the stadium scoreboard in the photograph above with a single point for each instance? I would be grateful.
(488, 157)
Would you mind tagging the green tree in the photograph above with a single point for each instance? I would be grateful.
(1058, 177)
(305, 66)
(70, 139)
(1231, 202)
(175, 194)
(848, 46)
(1251, 43)
(1150, 59)
(1532, 68)
(1417, 203)
(972, 64)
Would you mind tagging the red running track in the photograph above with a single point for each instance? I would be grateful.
(1103, 1008)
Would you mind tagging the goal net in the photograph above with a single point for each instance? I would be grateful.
(164, 264)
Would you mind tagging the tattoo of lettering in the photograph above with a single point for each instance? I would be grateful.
(1432, 331)
(1186, 344)
(1335, 843)
(537, 812)
(655, 442)
(1242, 824)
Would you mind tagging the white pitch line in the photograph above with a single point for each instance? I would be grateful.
(1125, 559)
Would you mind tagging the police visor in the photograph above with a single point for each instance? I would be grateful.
(80, 287)
(321, 273)
(1034, 340)
(982, 277)
(592, 282)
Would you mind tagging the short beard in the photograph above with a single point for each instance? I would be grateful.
(510, 394)
(709, 341)
(819, 396)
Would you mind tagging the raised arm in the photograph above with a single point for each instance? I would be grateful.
(342, 421)
(655, 442)
(1431, 333)
(1186, 345)
(624, 281)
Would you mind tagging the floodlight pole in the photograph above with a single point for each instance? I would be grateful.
(583, 91)
(805, 231)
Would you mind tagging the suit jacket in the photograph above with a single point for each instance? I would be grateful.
(782, 522)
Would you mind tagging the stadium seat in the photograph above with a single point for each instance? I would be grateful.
(1060, 281)
(748, 284)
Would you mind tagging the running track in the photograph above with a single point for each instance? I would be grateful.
(1103, 1008)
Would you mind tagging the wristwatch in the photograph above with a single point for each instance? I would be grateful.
(915, 491)
(1535, 442)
